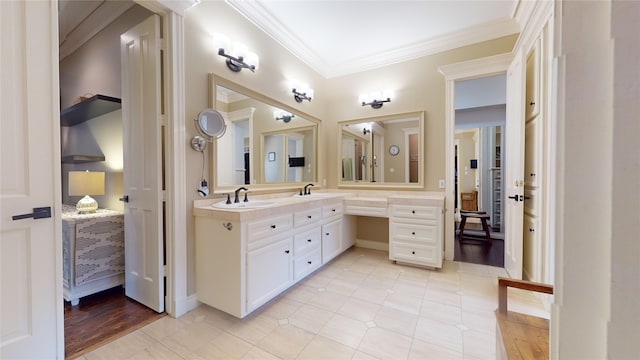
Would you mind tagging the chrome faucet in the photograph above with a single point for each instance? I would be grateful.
(236, 200)
(307, 191)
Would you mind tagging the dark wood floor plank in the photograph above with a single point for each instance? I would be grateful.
(101, 318)
(479, 251)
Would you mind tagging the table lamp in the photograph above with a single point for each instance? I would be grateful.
(86, 183)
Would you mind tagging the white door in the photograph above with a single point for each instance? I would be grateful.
(31, 255)
(142, 123)
(513, 183)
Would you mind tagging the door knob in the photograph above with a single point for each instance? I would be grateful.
(124, 198)
(514, 197)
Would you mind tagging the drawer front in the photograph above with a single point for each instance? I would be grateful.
(365, 210)
(257, 230)
(421, 234)
(415, 212)
(306, 241)
(306, 217)
(423, 255)
(304, 265)
(331, 210)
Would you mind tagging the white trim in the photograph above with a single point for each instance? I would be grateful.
(461, 71)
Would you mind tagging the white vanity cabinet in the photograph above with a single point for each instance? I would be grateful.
(416, 235)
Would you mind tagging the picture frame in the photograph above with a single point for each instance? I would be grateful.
(272, 156)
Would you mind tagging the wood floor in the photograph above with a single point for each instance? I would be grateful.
(101, 318)
(478, 251)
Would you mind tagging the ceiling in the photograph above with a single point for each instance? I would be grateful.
(335, 37)
(342, 37)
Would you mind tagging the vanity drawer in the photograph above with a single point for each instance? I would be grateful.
(331, 210)
(417, 254)
(415, 212)
(306, 241)
(257, 230)
(422, 234)
(365, 210)
(306, 217)
(304, 265)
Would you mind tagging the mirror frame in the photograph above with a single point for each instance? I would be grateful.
(202, 115)
(216, 80)
(383, 185)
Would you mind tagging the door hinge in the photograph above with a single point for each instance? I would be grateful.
(164, 271)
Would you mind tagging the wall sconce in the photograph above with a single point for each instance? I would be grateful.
(237, 59)
(365, 131)
(283, 115)
(376, 99)
(302, 92)
(86, 183)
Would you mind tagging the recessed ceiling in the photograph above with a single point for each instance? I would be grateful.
(341, 37)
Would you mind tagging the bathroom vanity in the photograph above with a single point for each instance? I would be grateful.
(248, 253)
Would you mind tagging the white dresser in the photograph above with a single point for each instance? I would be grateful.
(93, 252)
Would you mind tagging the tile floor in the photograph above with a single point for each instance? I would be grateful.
(360, 306)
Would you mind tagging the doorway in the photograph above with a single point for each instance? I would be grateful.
(480, 113)
(111, 305)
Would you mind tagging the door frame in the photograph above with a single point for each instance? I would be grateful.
(177, 302)
(467, 70)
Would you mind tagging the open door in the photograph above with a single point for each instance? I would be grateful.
(142, 124)
(514, 168)
(30, 225)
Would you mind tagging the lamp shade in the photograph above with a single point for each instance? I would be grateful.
(86, 183)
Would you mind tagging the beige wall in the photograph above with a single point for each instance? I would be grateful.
(417, 84)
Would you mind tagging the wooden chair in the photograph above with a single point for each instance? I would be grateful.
(477, 215)
(520, 336)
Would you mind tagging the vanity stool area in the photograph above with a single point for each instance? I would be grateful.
(248, 254)
(92, 251)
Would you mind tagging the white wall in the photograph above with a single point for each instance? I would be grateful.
(596, 312)
(486, 91)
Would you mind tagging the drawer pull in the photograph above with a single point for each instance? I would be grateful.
(327, 234)
(413, 253)
(273, 226)
(308, 240)
(413, 211)
(286, 251)
(532, 230)
(309, 262)
(334, 210)
(413, 233)
(308, 216)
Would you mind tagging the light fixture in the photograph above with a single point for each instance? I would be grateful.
(375, 99)
(86, 183)
(237, 59)
(302, 92)
(283, 115)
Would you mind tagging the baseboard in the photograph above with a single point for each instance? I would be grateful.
(185, 304)
(375, 245)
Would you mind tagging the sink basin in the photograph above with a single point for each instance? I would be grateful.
(251, 204)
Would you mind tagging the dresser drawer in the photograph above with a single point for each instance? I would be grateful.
(305, 241)
(305, 264)
(331, 210)
(417, 254)
(306, 217)
(257, 230)
(421, 234)
(415, 212)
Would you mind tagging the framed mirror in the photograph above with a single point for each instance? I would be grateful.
(267, 144)
(385, 151)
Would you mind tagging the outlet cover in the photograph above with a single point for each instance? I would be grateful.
(441, 183)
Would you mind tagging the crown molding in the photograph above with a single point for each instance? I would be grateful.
(266, 22)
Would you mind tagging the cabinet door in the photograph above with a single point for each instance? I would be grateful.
(531, 250)
(269, 272)
(331, 240)
(532, 152)
(532, 105)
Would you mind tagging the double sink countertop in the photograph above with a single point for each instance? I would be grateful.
(260, 206)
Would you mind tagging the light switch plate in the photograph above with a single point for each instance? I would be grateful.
(441, 183)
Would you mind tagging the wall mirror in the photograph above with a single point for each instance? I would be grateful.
(386, 151)
(258, 149)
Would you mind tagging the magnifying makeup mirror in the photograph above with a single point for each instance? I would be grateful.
(210, 124)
